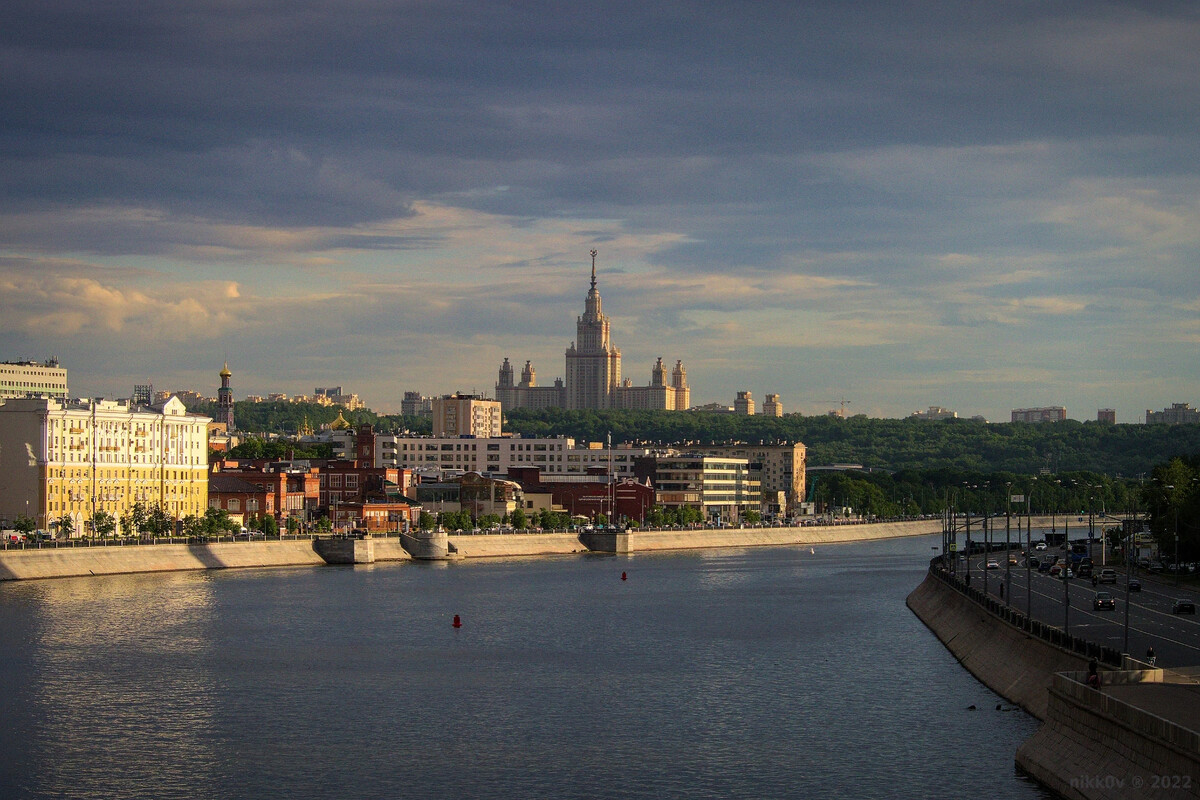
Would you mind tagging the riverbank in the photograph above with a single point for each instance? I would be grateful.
(1018, 667)
(34, 564)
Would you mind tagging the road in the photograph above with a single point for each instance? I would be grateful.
(1175, 637)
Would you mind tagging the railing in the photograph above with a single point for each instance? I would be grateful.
(1044, 631)
(1074, 685)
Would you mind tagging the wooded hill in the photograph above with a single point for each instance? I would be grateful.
(889, 444)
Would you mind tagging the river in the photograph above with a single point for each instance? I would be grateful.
(747, 673)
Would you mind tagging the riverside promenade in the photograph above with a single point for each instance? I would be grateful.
(63, 559)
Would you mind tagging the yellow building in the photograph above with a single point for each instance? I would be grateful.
(83, 457)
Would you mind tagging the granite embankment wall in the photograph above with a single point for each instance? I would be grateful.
(640, 541)
(1013, 664)
(64, 562)
(537, 544)
(1095, 747)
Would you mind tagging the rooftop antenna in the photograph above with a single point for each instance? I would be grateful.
(593, 269)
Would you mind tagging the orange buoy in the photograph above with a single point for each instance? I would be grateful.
(622, 576)
(457, 621)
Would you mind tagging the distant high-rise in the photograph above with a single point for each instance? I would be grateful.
(1107, 416)
(772, 407)
(935, 412)
(593, 373)
(744, 404)
(225, 400)
(466, 415)
(143, 394)
(1177, 414)
(1048, 414)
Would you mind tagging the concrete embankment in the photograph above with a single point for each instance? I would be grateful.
(537, 544)
(1096, 746)
(755, 537)
(64, 562)
(1010, 662)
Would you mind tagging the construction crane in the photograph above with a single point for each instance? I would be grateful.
(842, 403)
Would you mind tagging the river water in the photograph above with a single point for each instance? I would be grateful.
(755, 673)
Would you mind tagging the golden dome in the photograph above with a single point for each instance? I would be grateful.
(339, 424)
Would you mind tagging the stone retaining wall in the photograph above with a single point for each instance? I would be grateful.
(65, 562)
(1010, 662)
(1095, 747)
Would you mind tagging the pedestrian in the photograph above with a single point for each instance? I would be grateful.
(1150, 655)
(1093, 678)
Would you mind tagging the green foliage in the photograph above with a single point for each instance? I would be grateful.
(457, 520)
(1172, 497)
(426, 521)
(519, 520)
(267, 524)
(293, 525)
(323, 525)
(279, 449)
(24, 524)
(895, 444)
(751, 515)
(601, 518)
(288, 418)
(104, 524)
(65, 526)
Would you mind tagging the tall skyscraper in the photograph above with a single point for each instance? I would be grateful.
(594, 373)
(593, 363)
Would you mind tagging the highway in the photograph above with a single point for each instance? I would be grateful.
(1175, 637)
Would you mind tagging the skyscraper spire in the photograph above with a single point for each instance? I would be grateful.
(593, 269)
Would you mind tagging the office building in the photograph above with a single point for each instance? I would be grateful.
(1036, 415)
(33, 379)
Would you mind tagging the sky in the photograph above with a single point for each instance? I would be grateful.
(975, 205)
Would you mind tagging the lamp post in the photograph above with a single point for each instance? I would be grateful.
(1007, 544)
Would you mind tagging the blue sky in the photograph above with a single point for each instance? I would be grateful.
(981, 206)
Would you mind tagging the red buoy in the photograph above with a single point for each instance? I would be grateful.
(457, 621)
(622, 576)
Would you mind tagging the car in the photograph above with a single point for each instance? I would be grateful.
(1104, 600)
(1040, 546)
(1044, 566)
(1012, 560)
(1034, 563)
(1134, 585)
(1183, 607)
(1107, 575)
(993, 565)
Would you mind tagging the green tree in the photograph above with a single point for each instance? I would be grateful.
(65, 526)
(752, 515)
(24, 524)
(519, 521)
(426, 521)
(293, 525)
(324, 525)
(601, 518)
(104, 523)
(268, 525)
(489, 521)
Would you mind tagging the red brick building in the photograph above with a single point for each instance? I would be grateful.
(589, 495)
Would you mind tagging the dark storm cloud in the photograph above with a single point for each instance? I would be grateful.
(314, 113)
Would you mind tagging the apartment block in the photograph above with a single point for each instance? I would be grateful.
(80, 458)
